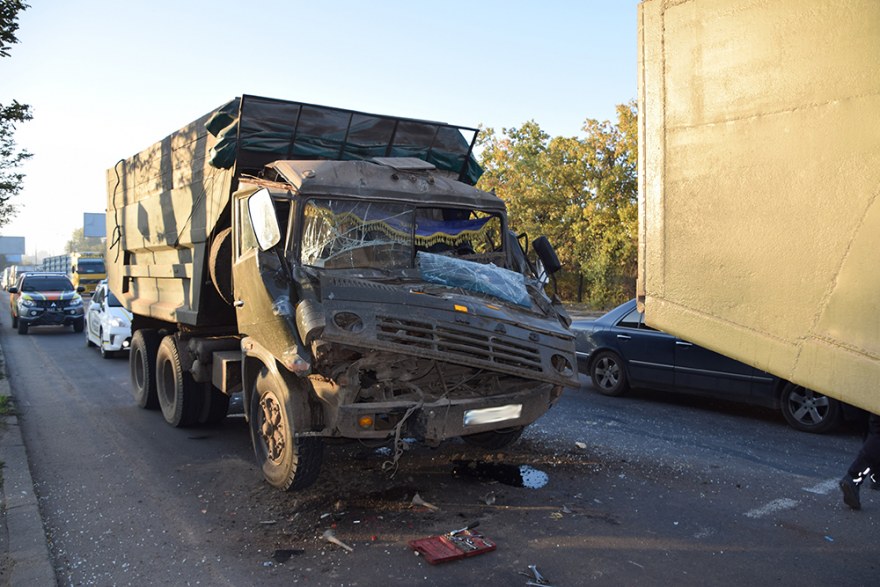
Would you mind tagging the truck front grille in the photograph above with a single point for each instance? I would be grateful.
(485, 348)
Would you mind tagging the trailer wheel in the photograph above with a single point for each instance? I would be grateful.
(494, 439)
(142, 363)
(288, 463)
(219, 265)
(180, 397)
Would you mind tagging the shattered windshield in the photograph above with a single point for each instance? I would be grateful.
(345, 234)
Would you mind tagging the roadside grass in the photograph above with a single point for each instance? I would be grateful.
(6, 407)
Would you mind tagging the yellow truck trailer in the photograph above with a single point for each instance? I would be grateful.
(759, 184)
(84, 269)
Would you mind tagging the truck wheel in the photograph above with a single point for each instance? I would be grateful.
(287, 462)
(215, 406)
(22, 327)
(142, 363)
(494, 439)
(14, 321)
(180, 397)
(79, 325)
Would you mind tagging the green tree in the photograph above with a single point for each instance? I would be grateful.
(579, 191)
(79, 243)
(11, 178)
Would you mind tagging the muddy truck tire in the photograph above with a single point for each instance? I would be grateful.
(142, 363)
(288, 463)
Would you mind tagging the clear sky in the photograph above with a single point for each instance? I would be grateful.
(106, 79)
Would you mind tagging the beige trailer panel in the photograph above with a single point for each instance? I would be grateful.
(759, 164)
(163, 204)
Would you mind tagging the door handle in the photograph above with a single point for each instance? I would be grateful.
(683, 343)
(238, 303)
(624, 336)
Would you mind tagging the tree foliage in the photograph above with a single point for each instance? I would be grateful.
(11, 158)
(581, 192)
(9, 10)
(79, 243)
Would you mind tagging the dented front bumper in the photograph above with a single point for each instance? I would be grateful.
(439, 420)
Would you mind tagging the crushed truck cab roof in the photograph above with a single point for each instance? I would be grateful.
(388, 178)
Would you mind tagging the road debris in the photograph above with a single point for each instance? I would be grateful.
(282, 555)
(453, 545)
(536, 579)
(330, 536)
(418, 501)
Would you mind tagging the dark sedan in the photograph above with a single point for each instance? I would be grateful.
(620, 351)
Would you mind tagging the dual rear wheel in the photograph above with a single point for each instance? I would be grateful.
(158, 380)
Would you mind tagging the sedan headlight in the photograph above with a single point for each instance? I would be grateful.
(116, 322)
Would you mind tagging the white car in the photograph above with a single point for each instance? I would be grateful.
(108, 324)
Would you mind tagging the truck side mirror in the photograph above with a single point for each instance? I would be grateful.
(547, 254)
(263, 220)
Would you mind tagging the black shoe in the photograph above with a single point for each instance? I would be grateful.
(850, 492)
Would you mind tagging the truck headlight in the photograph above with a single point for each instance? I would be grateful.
(26, 303)
(348, 321)
(75, 303)
(562, 365)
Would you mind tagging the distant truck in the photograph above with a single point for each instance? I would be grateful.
(84, 269)
(341, 271)
(15, 271)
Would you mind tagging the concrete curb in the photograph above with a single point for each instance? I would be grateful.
(28, 548)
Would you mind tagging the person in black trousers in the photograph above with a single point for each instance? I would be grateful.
(867, 463)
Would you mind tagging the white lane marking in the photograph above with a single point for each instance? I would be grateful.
(776, 505)
(823, 488)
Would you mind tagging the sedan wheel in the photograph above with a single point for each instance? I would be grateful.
(809, 411)
(608, 374)
(105, 354)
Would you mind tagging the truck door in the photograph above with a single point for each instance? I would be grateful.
(261, 290)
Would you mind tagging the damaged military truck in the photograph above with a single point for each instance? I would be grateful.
(338, 269)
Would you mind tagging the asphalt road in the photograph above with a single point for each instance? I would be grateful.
(645, 489)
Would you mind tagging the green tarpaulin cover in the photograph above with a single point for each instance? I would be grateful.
(253, 131)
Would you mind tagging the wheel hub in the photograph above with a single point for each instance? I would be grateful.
(272, 428)
(808, 407)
